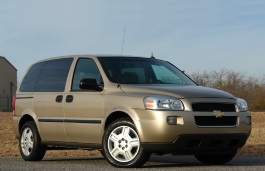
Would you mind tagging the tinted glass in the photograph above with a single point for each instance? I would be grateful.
(143, 71)
(48, 76)
(54, 75)
(86, 69)
(30, 80)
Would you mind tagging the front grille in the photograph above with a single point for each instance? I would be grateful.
(214, 121)
(209, 107)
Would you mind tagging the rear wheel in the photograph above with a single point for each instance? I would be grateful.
(122, 146)
(30, 145)
(215, 159)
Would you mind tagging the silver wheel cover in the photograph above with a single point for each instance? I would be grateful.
(27, 141)
(123, 144)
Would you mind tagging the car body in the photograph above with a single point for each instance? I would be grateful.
(127, 106)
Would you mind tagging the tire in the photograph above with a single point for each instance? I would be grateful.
(30, 146)
(122, 145)
(216, 159)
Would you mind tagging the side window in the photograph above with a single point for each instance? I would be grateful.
(85, 68)
(48, 76)
(54, 75)
(30, 80)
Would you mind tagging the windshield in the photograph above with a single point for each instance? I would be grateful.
(128, 70)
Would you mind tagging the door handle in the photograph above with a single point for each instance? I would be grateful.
(69, 98)
(59, 98)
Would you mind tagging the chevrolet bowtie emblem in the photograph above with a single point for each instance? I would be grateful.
(218, 113)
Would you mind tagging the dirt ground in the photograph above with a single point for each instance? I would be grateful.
(9, 144)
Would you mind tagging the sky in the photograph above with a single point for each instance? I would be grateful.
(194, 35)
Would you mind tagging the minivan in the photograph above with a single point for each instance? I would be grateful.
(127, 107)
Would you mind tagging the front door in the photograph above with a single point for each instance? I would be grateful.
(84, 108)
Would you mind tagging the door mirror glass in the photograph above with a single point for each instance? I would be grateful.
(89, 84)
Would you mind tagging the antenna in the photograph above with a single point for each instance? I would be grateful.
(123, 41)
(119, 78)
(152, 56)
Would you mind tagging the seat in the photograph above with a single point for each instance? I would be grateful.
(129, 78)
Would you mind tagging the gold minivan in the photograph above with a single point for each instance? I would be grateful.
(128, 107)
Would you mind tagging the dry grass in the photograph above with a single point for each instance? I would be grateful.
(9, 144)
(256, 142)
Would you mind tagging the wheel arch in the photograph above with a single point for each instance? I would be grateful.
(123, 112)
(25, 119)
(114, 116)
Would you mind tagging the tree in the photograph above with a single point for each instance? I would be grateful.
(251, 89)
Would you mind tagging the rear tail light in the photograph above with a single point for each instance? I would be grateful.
(14, 105)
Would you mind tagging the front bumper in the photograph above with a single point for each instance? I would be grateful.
(199, 144)
(153, 128)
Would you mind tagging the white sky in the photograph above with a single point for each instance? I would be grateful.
(195, 35)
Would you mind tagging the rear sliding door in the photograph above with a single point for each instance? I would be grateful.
(48, 99)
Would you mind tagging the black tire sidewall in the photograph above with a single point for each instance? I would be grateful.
(138, 160)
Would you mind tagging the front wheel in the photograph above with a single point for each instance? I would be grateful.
(122, 145)
(215, 159)
(30, 146)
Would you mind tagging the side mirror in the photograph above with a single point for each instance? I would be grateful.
(90, 84)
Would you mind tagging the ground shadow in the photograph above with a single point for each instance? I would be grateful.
(170, 161)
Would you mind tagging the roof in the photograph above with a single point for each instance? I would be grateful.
(8, 62)
(94, 55)
(90, 56)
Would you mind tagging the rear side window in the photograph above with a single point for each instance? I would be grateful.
(30, 80)
(48, 76)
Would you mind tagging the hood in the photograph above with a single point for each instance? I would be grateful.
(190, 91)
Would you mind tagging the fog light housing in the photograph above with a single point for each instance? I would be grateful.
(175, 120)
(172, 120)
(248, 120)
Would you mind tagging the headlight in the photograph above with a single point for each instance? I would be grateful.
(242, 105)
(163, 103)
